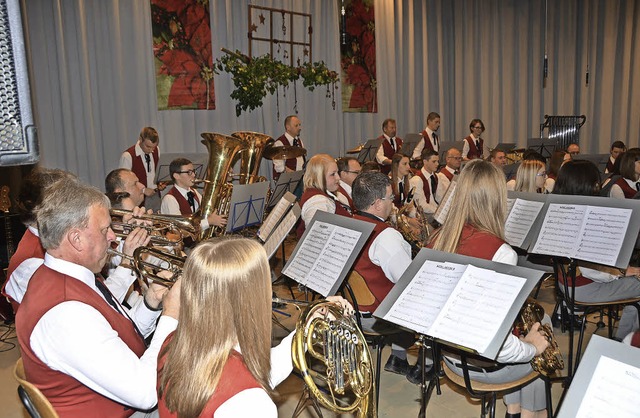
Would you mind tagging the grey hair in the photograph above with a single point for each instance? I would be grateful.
(368, 187)
(65, 206)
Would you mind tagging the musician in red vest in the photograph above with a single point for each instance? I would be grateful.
(348, 170)
(291, 137)
(453, 161)
(476, 229)
(80, 347)
(182, 198)
(617, 148)
(321, 182)
(390, 145)
(627, 184)
(428, 193)
(473, 146)
(384, 258)
(142, 158)
(430, 139)
(122, 180)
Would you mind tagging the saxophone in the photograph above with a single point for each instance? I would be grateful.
(551, 359)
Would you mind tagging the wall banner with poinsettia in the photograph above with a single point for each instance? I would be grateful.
(358, 57)
(182, 54)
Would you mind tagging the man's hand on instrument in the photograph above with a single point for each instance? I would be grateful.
(139, 237)
(537, 339)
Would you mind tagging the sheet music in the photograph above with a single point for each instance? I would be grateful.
(510, 202)
(603, 234)
(612, 392)
(322, 256)
(423, 299)
(560, 230)
(481, 294)
(590, 233)
(522, 215)
(445, 205)
(278, 235)
(276, 213)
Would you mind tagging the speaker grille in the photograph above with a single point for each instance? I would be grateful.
(10, 121)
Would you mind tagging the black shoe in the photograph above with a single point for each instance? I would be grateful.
(415, 374)
(396, 365)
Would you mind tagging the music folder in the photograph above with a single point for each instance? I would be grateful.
(278, 223)
(369, 150)
(464, 302)
(607, 382)
(327, 250)
(287, 182)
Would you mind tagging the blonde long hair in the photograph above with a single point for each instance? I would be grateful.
(480, 199)
(225, 299)
(526, 176)
(315, 173)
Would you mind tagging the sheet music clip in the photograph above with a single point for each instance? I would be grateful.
(247, 205)
(369, 150)
(287, 182)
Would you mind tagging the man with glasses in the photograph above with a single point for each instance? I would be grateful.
(348, 170)
(382, 261)
(573, 150)
(183, 199)
(473, 146)
(453, 161)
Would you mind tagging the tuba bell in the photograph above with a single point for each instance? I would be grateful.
(341, 348)
(216, 195)
(251, 156)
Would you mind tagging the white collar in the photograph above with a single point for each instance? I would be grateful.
(345, 186)
(34, 231)
(139, 152)
(289, 137)
(68, 268)
(182, 190)
(426, 173)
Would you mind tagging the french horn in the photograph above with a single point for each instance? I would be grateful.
(348, 377)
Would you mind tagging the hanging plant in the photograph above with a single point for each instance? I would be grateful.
(254, 78)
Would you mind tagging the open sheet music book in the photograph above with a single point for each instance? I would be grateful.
(607, 382)
(443, 208)
(275, 216)
(462, 301)
(590, 228)
(327, 250)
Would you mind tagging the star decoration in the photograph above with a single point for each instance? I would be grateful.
(305, 52)
(254, 28)
(261, 19)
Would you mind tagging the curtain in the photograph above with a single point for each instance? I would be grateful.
(92, 75)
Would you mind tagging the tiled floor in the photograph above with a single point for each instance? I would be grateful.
(398, 397)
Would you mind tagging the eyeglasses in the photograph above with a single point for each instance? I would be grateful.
(189, 172)
(544, 173)
(352, 172)
(477, 127)
(389, 198)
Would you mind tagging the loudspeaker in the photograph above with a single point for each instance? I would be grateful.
(18, 136)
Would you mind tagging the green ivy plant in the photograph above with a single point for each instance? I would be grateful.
(254, 78)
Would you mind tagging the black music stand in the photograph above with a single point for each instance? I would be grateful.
(505, 147)
(543, 146)
(287, 182)
(409, 144)
(600, 160)
(445, 146)
(369, 150)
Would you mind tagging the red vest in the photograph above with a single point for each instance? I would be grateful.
(234, 379)
(629, 192)
(185, 208)
(635, 339)
(70, 398)
(308, 194)
(138, 166)
(388, 151)
(448, 174)
(29, 247)
(479, 244)
(427, 140)
(345, 194)
(474, 152)
(373, 275)
(609, 167)
(427, 187)
(290, 163)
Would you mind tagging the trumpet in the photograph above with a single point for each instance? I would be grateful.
(147, 269)
(180, 226)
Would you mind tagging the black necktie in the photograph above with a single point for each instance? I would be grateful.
(393, 144)
(111, 301)
(478, 144)
(435, 139)
(298, 143)
(191, 200)
(638, 186)
(401, 190)
(434, 185)
(147, 158)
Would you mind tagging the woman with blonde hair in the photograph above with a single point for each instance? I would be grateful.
(321, 182)
(475, 227)
(400, 175)
(530, 177)
(219, 361)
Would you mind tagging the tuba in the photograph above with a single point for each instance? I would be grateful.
(551, 359)
(346, 362)
(216, 195)
(251, 156)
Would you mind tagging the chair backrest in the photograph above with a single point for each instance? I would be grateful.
(33, 400)
(360, 289)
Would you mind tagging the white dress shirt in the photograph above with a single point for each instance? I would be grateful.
(279, 165)
(75, 339)
(380, 157)
(443, 181)
(170, 205)
(118, 281)
(417, 151)
(391, 253)
(428, 206)
(315, 203)
(616, 191)
(127, 162)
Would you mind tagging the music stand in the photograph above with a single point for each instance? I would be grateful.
(287, 182)
(505, 147)
(600, 160)
(369, 151)
(409, 144)
(510, 170)
(199, 160)
(247, 205)
(543, 146)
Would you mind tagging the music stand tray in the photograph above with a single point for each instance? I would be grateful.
(409, 143)
(369, 150)
(505, 147)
